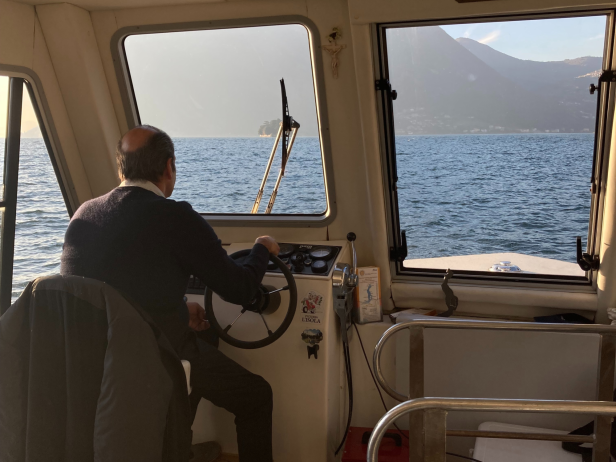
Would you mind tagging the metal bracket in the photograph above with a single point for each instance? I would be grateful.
(399, 253)
(606, 76)
(586, 261)
(450, 299)
(385, 85)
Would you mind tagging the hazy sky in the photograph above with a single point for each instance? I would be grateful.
(539, 40)
(28, 118)
(222, 82)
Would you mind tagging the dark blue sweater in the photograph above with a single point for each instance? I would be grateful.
(147, 246)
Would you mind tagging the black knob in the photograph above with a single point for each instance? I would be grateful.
(351, 237)
(593, 88)
(298, 260)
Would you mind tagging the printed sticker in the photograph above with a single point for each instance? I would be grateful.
(312, 303)
(310, 318)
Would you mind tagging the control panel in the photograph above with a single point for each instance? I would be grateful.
(307, 259)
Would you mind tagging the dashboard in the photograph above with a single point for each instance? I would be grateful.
(305, 259)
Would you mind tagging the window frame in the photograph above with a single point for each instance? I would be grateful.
(131, 111)
(28, 81)
(603, 135)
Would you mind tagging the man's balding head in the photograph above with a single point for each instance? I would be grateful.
(142, 154)
(136, 138)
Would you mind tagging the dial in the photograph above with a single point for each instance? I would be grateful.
(286, 250)
(321, 253)
(319, 266)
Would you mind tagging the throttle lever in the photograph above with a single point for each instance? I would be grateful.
(353, 279)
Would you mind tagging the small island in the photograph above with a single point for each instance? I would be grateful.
(269, 128)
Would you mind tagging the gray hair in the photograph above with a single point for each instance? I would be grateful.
(150, 160)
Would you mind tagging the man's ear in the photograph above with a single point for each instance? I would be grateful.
(170, 168)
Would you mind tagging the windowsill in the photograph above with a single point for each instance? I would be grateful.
(526, 263)
(493, 300)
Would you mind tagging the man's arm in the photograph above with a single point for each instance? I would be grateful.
(205, 257)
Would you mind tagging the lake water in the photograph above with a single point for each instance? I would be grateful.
(477, 194)
(458, 195)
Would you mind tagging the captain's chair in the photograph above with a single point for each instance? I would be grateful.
(83, 375)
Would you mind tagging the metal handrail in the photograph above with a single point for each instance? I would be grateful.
(448, 323)
(471, 404)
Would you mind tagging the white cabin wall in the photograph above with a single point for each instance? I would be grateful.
(606, 289)
(23, 44)
(16, 34)
(74, 52)
(43, 67)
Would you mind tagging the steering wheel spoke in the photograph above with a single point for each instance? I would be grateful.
(226, 329)
(269, 332)
(272, 336)
(278, 290)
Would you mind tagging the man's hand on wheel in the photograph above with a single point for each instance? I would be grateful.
(197, 319)
(270, 243)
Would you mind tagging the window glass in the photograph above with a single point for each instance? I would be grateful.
(217, 94)
(42, 217)
(494, 142)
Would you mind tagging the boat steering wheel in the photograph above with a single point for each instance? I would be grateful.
(265, 302)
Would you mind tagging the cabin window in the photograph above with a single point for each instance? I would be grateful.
(491, 143)
(34, 215)
(217, 93)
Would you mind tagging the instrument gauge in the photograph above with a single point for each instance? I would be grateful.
(321, 253)
(286, 250)
(319, 266)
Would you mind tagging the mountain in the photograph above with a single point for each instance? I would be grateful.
(566, 80)
(449, 86)
(34, 132)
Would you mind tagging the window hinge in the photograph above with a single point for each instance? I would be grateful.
(399, 253)
(384, 85)
(606, 76)
(586, 261)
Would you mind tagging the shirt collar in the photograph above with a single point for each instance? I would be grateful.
(143, 184)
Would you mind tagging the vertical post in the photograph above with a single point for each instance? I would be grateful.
(435, 431)
(255, 206)
(605, 391)
(416, 390)
(11, 171)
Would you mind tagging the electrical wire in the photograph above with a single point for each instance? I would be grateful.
(378, 389)
(347, 361)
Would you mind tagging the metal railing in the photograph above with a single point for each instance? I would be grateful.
(435, 412)
(417, 420)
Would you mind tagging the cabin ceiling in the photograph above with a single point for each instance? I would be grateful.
(92, 5)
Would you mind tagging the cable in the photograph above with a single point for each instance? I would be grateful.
(462, 457)
(347, 361)
(383, 400)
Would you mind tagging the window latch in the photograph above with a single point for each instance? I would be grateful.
(399, 253)
(586, 261)
(450, 299)
(606, 76)
(384, 85)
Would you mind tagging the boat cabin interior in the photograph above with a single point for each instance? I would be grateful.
(437, 174)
